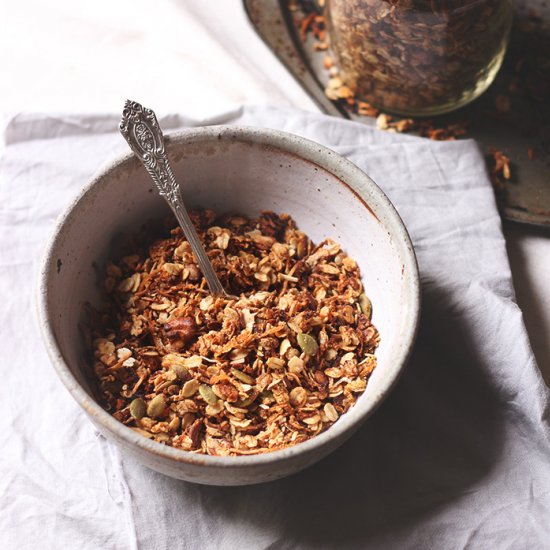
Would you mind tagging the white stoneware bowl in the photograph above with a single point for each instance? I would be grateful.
(246, 170)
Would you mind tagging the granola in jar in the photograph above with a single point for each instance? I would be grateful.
(418, 57)
(224, 376)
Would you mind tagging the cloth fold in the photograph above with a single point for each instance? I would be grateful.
(457, 457)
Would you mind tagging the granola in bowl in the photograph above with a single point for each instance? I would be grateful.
(224, 376)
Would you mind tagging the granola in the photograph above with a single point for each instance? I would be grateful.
(226, 376)
(418, 56)
(313, 22)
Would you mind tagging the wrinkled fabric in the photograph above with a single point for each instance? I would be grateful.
(457, 457)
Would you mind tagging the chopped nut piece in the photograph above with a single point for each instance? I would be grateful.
(182, 250)
(183, 328)
(226, 391)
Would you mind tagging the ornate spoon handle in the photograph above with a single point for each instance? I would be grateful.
(141, 129)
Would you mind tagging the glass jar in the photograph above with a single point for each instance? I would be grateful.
(418, 57)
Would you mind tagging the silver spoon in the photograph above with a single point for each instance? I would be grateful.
(141, 129)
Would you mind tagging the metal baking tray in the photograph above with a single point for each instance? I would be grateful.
(522, 133)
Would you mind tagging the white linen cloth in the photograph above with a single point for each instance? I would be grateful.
(457, 457)
(200, 54)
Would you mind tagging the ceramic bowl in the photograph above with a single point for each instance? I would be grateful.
(244, 170)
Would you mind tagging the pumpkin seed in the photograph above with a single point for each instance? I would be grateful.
(365, 305)
(138, 408)
(207, 394)
(156, 406)
(308, 343)
(243, 377)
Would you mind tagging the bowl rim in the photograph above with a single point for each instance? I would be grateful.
(348, 174)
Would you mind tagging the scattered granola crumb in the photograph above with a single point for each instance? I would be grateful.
(500, 170)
